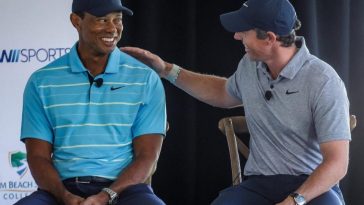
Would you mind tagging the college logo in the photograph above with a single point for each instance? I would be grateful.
(13, 188)
(29, 55)
(18, 160)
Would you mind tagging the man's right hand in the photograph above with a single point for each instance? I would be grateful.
(70, 199)
(150, 59)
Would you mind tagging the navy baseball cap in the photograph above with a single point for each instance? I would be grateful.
(277, 16)
(99, 7)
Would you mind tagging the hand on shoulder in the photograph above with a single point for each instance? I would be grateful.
(150, 59)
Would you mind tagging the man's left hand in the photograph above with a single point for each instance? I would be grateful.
(101, 198)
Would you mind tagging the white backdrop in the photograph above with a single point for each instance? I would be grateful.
(33, 33)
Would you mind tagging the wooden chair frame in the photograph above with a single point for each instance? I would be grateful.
(230, 126)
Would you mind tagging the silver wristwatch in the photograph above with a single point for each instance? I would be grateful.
(113, 195)
(298, 199)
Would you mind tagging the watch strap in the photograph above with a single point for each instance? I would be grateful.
(112, 194)
(173, 73)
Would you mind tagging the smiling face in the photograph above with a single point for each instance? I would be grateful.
(257, 49)
(98, 36)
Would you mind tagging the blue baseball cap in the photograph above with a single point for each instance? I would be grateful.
(277, 16)
(99, 7)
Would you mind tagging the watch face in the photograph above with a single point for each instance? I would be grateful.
(299, 199)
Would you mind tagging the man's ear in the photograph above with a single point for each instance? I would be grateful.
(272, 37)
(75, 20)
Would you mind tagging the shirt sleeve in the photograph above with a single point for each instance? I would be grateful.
(151, 117)
(35, 123)
(331, 112)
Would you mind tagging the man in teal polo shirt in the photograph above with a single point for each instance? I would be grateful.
(295, 104)
(94, 119)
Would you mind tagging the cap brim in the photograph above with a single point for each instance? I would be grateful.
(127, 11)
(235, 21)
(99, 12)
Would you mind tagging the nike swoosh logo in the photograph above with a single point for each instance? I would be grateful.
(115, 88)
(293, 92)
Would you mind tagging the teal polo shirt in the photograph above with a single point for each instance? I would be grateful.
(92, 128)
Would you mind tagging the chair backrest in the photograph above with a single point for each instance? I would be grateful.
(149, 179)
(230, 126)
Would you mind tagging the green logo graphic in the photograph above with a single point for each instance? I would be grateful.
(18, 160)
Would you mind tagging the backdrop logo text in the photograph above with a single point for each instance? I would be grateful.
(30, 55)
